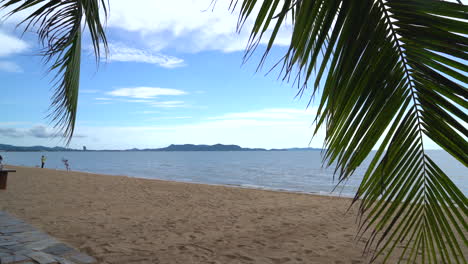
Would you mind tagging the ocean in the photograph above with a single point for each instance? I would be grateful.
(296, 171)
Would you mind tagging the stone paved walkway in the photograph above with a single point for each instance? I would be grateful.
(20, 243)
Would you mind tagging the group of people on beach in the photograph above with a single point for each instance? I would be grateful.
(43, 160)
(65, 162)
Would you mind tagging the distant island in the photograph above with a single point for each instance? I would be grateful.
(184, 147)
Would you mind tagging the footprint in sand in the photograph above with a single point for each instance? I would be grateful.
(182, 248)
(238, 256)
(311, 252)
(280, 260)
(259, 242)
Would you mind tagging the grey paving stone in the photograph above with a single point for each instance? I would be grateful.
(42, 258)
(7, 243)
(58, 249)
(6, 238)
(82, 258)
(41, 244)
(13, 259)
(9, 218)
(27, 240)
(24, 251)
(21, 243)
(3, 254)
(35, 233)
(16, 229)
(4, 250)
(14, 248)
(10, 223)
(64, 261)
(30, 236)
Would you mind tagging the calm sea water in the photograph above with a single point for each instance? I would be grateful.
(299, 171)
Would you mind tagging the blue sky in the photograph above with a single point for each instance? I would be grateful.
(172, 76)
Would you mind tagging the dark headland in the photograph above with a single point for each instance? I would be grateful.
(184, 147)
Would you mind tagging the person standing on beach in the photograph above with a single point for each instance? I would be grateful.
(1, 162)
(65, 162)
(43, 159)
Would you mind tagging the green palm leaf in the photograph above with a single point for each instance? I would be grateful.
(394, 72)
(59, 28)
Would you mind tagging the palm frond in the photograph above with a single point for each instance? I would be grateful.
(394, 72)
(59, 28)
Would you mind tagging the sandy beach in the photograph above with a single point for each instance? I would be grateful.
(119, 219)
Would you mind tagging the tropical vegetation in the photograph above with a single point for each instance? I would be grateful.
(390, 75)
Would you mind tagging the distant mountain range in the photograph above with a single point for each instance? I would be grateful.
(4, 147)
(217, 147)
(185, 147)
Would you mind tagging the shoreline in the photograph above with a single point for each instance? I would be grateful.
(248, 187)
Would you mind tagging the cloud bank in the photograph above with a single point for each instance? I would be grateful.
(198, 26)
(10, 66)
(121, 52)
(145, 92)
(39, 131)
(267, 128)
(11, 45)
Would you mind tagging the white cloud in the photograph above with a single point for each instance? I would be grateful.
(252, 130)
(136, 101)
(11, 45)
(193, 28)
(289, 128)
(13, 123)
(120, 52)
(145, 92)
(41, 132)
(38, 131)
(265, 132)
(168, 104)
(170, 117)
(269, 114)
(147, 112)
(145, 95)
(10, 66)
